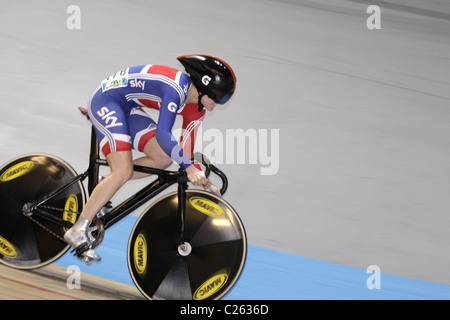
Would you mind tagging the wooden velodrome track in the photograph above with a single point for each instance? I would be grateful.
(50, 283)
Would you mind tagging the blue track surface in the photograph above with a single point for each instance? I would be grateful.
(274, 275)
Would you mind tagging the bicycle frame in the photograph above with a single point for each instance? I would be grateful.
(164, 180)
(201, 235)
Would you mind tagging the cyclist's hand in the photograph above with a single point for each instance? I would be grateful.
(212, 188)
(195, 176)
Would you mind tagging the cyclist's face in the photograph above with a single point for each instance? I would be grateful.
(208, 103)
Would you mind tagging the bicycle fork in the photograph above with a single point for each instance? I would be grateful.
(184, 248)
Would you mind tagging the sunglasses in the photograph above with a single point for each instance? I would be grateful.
(219, 98)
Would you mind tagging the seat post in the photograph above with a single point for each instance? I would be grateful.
(94, 170)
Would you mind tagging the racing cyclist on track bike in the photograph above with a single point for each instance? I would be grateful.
(116, 110)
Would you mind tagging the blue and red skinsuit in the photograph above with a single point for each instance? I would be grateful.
(116, 109)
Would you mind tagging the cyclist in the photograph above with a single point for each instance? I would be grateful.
(116, 110)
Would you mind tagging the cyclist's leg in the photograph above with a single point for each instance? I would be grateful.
(143, 130)
(111, 126)
(121, 166)
(110, 120)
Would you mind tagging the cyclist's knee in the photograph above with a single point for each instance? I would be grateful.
(164, 160)
(122, 175)
(160, 158)
(121, 165)
(126, 173)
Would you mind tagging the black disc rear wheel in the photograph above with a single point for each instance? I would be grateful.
(31, 243)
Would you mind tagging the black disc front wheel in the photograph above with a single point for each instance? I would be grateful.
(205, 266)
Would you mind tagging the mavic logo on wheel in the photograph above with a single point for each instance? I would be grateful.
(17, 170)
(140, 254)
(71, 209)
(7, 249)
(207, 207)
(210, 286)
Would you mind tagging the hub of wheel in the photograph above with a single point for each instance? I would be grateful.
(184, 249)
(26, 210)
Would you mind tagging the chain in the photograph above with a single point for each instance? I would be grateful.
(47, 229)
(58, 209)
(98, 227)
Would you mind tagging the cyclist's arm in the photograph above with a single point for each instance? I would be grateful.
(192, 119)
(169, 144)
(164, 136)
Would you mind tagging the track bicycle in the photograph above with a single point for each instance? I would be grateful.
(188, 244)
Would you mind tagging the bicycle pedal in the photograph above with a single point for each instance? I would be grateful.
(78, 251)
(87, 260)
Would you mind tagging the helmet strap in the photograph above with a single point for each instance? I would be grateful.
(200, 104)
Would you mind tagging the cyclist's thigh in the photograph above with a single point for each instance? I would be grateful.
(110, 120)
(142, 128)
